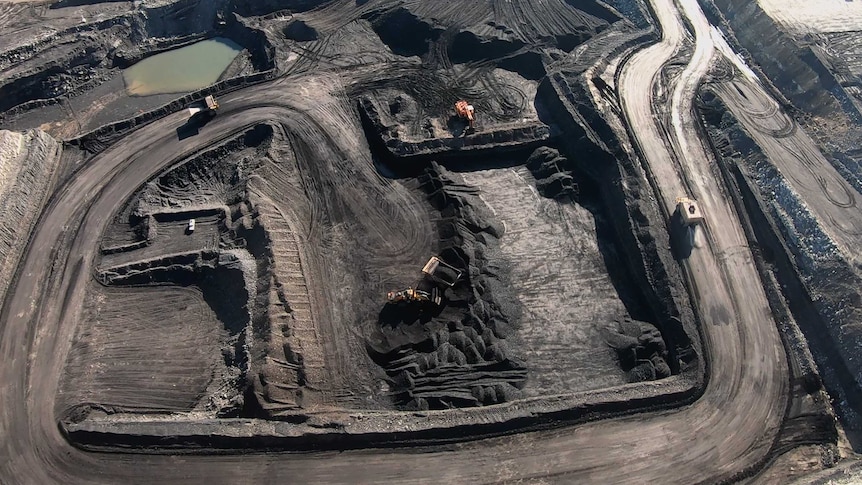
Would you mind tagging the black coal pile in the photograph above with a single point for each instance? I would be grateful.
(641, 350)
(454, 355)
(552, 179)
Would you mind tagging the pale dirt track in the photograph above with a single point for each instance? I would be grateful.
(824, 191)
(729, 429)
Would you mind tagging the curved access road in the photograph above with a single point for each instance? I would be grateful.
(728, 430)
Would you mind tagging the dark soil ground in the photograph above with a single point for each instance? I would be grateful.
(268, 207)
(306, 222)
(343, 168)
(502, 333)
(149, 350)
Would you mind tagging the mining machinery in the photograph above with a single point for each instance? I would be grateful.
(414, 295)
(206, 109)
(441, 272)
(689, 211)
(436, 273)
(466, 111)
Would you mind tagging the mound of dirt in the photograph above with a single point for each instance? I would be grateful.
(404, 32)
(549, 168)
(389, 126)
(488, 30)
(266, 7)
(511, 35)
(641, 350)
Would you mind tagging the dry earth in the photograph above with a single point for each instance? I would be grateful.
(590, 337)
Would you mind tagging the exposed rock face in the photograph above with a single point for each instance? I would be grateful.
(300, 31)
(501, 139)
(485, 31)
(73, 60)
(264, 7)
(594, 150)
(28, 164)
(794, 69)
(822, 289)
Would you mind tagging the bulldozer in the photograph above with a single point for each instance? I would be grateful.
(415, 295)
(466, 111)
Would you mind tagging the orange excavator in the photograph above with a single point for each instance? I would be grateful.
(465, 110)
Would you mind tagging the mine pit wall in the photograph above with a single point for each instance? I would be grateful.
(145, 228)
(638, 223)
(478, 315)
(808, 421)
(143, 33)
(794, 73)
(278, 373)
(358, 430)
(27, 91)
(613, 44)
(242, 228)
(267, 7)
(809, 417)
(632, 10)
(669, 306)
(520, 137)
(200, 269)
(165, 27)
(28, 178)
(184, 215)
(156, 271)
(821, 291)
(102, 137)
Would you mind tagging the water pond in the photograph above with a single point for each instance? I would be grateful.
(181, 70)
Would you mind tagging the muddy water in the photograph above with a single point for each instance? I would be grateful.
(185, 69)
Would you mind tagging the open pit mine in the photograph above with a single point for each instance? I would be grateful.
(416, 241)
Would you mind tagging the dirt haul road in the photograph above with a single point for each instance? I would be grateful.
(726, 431)
(822, 188)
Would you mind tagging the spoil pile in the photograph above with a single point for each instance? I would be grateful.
(552, 179)
(641, 350)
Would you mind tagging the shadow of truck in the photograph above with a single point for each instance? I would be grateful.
(193, 125)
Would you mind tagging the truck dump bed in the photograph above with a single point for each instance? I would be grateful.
(441, 272)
